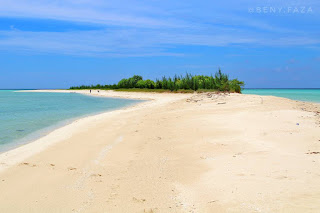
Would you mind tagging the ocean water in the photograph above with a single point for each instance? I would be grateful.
(27, 116)
(309, 95)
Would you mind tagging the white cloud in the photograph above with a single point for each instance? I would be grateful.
(129, 43)
(97, 12)
(146, 28)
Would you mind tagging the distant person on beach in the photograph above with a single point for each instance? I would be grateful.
(90, 91)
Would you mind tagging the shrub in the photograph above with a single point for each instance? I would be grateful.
(149, 84)
(141, 84)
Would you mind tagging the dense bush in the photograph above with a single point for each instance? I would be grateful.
(219, 82)
(130, 82)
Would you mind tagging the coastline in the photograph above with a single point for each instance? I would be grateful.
(32, 147)
(44, 130)
(173, 153)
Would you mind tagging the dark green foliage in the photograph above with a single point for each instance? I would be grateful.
(236, 85)
(141, 84)
(220, 82)
(149, 84)
(130, 82)
(156, 90)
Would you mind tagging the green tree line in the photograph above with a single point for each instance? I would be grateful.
(219, 82)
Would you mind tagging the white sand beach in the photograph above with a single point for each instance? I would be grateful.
(174, 153)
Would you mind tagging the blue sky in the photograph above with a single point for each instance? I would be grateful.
(57, 44)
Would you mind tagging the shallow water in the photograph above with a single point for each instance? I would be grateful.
(309, 95)
(27, 116)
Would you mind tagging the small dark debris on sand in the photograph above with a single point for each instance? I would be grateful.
(222, 103)
(28, 164)
(138, 200)
(72, 168)
(313, 153)
(96, 175)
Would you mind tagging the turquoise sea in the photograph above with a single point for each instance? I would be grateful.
(28, 116)
(309, 95)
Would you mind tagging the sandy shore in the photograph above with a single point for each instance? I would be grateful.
(174, 153)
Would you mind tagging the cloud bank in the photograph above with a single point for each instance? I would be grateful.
(152, 28)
